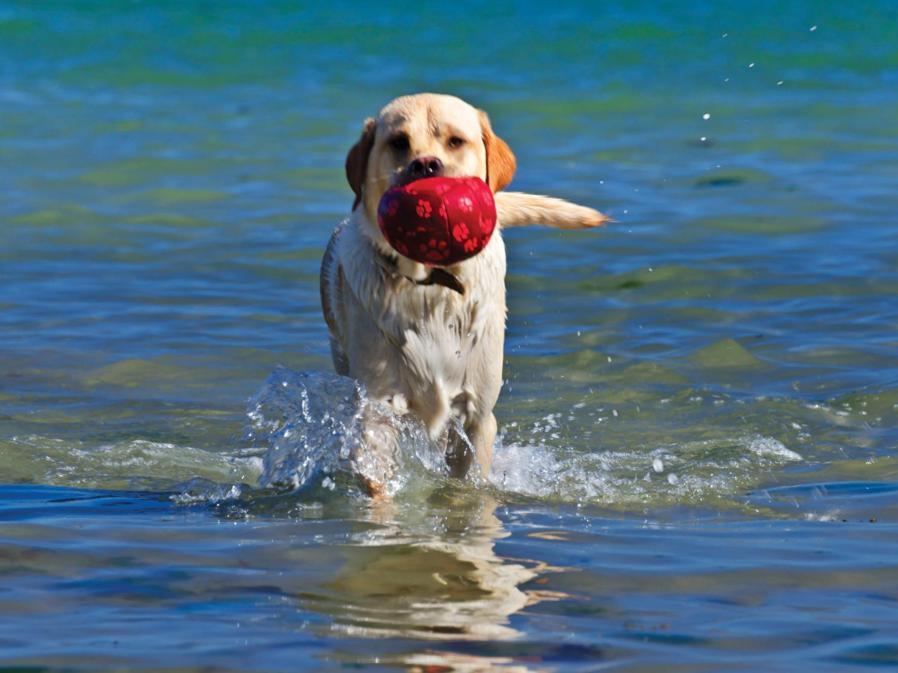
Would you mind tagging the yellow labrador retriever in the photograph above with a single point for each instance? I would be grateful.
(426, 340)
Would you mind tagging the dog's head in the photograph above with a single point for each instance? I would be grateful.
(422, 136)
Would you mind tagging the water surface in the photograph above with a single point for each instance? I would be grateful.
(697, 464)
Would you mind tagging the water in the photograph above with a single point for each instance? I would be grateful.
(697, 467)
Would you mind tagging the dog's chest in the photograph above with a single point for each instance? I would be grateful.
(441, 339)
(436, 346)
(438, 330)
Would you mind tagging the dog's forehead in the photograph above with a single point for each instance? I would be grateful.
(430, 111)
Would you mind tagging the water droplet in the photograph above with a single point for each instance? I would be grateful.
(658, 465)
(706, 116)
(751, 65)
(812, 28)
(672, 479)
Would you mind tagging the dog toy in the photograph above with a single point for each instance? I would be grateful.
(438, 221)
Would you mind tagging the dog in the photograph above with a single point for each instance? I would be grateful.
(426, 340)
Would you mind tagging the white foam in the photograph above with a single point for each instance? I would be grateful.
(680, 474)
(767, 446)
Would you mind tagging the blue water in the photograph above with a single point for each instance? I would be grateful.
(697, 463)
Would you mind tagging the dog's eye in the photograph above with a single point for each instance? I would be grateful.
(399, 142)
(455, 142)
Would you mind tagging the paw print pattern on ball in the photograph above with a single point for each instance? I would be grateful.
(438, 221)
(460, 232)
(423, 208)
(441, 188)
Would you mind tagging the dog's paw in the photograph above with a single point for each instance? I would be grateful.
(374, 489)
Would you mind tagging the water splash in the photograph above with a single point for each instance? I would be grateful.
(682, 474)
(313, 423)
(321, 429)
(309, 421)
(306, 440)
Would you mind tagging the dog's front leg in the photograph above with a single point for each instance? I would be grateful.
(374, 456)
(482, 435)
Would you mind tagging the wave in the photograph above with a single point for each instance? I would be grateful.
(303, 429)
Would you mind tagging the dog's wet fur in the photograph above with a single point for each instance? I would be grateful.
(427, 345)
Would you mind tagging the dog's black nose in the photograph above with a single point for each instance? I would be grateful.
(425, 167)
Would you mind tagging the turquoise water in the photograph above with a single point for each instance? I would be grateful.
(698, 461)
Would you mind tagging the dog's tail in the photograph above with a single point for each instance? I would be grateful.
(517, 209)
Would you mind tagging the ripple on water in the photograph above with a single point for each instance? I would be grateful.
(303, 426)
(127, 464)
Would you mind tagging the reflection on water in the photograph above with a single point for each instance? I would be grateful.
(425, 568)
(435, 577)
(275, 582)
(409, 571)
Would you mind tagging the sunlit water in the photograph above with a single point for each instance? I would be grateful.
(696, 467)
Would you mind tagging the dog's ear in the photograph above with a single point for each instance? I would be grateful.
(500, 161)
(357, 160)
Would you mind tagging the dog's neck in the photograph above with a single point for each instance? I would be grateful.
(391, 263)
(436, 275)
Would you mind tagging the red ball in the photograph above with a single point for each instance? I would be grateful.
(438, 221)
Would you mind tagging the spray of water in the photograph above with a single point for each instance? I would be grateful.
(313, 426)
(317, 430)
